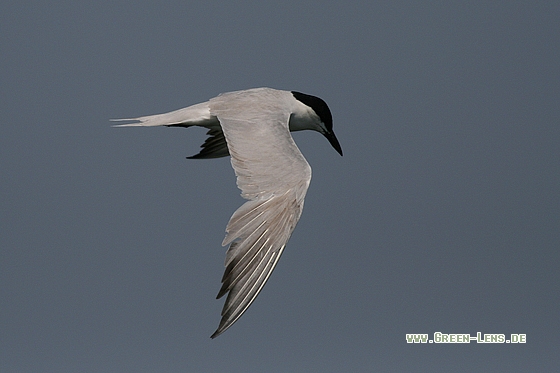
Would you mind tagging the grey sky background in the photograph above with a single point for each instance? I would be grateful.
(443, 214)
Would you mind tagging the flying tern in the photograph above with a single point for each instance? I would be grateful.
(253, 126)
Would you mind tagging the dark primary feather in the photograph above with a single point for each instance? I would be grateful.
(215, 145)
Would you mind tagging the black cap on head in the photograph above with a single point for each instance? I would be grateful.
(321, 108)
(318, 105)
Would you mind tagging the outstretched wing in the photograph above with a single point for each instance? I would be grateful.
(274, 176)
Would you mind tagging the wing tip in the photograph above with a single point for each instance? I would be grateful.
(216, 333)
(224, 325)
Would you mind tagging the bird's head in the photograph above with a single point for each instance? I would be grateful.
(316, 116)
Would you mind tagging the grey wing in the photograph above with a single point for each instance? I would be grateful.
(274, 176)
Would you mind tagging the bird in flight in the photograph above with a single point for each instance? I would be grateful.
(253, 127)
